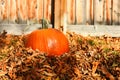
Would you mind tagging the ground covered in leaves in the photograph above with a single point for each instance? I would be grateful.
(89, 58)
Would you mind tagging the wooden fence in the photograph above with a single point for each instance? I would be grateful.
(61, 12)
(19, 11)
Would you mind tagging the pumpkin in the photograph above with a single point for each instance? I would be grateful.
(51, 41)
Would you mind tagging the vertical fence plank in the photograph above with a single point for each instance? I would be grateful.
(98, 12)
(13, 15)
(80, 11)
(4, 11)
(71, 11)
(57, 22)
(1, 11)
(22, 11)
(87, 12)
(108, 12)
(32, 7)
(47, 10)
(44, 10)
(40, 9)
(111, 12)
(116, 12)
(60, 14)
(64, 15)
(91, 12)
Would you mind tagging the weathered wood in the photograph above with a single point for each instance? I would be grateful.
(80, 15)
(39, 9)
(108, 12)
(57, 20)
(63, 15)
(91, 12)
(98, 9)
(77, 11)
(71, 11)
(116, 11)
(31, 7)
(13, 10)
(47, 9)
(60, 14)
(111, 12)
(4, 11)
(87, 12)
(19, 11)
(22, 11)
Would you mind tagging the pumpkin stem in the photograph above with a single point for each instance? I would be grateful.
(45, 23)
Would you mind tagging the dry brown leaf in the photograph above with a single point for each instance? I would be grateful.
(108, 75)
(82, 61)
(94, 67)
(77, 72)
(2, 73)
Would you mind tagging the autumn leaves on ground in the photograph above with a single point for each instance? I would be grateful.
(89, 58)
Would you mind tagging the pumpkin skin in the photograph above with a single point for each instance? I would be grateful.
(51, 41)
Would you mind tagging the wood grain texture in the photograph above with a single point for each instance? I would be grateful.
(80, 9)
(13, 10)
(57, 22)
(91, 12)
(116, 12)
(98, 12)
(47, 9)
(4, 10)
(71, 11)
(74, 11)
(108, 12)
(87, 11)
(22, 7)
(39, 9)
(31, 7)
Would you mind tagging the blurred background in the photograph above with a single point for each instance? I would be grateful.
(72, 15)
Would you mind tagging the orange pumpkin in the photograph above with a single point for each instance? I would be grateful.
(51, 41)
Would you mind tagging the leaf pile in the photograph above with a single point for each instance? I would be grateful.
(89, 58)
